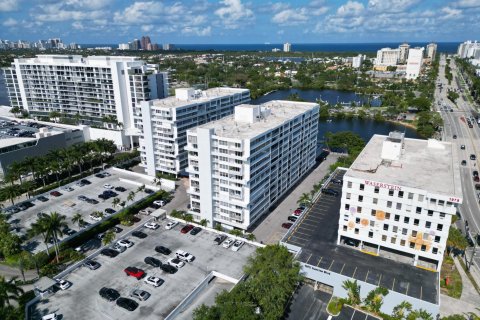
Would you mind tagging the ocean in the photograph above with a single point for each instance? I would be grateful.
(446, 47)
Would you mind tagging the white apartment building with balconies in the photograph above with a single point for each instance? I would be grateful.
(164, 123)
(243, 164)
(399, 196)
(102, 90)
(387, 57)
(414, 63)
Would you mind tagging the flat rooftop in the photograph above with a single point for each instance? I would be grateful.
(429, 165)
(204, 96)
(316, 233)
(281, 112)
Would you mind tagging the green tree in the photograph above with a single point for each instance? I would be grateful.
(236, 232)
(419, 315)
(141, 188)
(10, 192)
(324, 113)
(131, 196)
(109, 237)
(353, 292)
(456, 239)
(54, 224)
(188, 217)
(204, 222)
(401, 310)
(250, 237)
(305, 198)
(374, 300)
(40, 228)
(77, 219)
(115, 202)
(8, 291)
(15, 110)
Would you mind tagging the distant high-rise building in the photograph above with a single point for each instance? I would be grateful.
(431, 51)
(148, 43)
(124, 46)
(403, 52)
(287, 47)
(387, 57)
(414, 62)
(136, 44)
(468, 49)
(143, 43)
(155, 47)
(357, 61)
(168, 47)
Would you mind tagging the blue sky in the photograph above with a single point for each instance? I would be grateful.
(241, 21)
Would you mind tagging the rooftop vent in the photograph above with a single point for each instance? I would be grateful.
(392, 147)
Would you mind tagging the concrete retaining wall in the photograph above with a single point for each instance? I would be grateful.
(165, 183)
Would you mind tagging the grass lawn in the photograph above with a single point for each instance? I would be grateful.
(454, 288)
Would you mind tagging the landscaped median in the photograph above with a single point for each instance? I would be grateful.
(450, 279)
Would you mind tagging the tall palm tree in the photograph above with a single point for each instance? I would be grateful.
(77, 218)
(28, 186)
(251, 237)
(8, 291)
(305, 198)
(15, 171)
(115, 202)
(109, 237)
(40, 227)
(10, 192)
(374, 300)
(419, 314)
(141, 188)
(131, 196)
(204, 222)
(55, 222)
(401, 310)
(30, 165)
(353, 292)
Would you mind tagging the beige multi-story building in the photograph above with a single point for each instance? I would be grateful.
(400, 196)
(431, 51)
(241, 165)
(403, 52)
(387, 57)
(414, 63)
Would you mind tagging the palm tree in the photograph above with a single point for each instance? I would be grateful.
(419, 314)
(401, 310)
(28, 186)
(353, 292)
(78, 219)
(374, 300)
(15, 171)
(115, 202)
(305, 198)
(236, 232)
(122, 204)
(188, 217)
(141, 188)
(109, 237)
(40, 227)
(251, 237)
(54, 223)
(204, 222)
(10, 192)
(8, 291)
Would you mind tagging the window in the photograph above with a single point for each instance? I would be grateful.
(414, 233)
(385, 227)
(400, 194)
(393, 240)
(418, 210)
(348, 196)
(395, 229)
(423, 247)
(416, 222)
(349, 184)
(433, 201)
(360, 198)
(428, 224)
(437, 238)
(356, 231)
(390, 192)
(412, 245)
(375, 200)
(404, 231)
(420, 198)
(430, 213)
(344, 228)
(359, 209)
(376, 190)
(434, 250)
(372, 223)
(396, 218)
(410, 196)
(374, 212)
(406, 220)
(357, 220)
(441, 202)
(442, 215)
(402, 242)
(439, 227)
(362, 186)
(384, 238)
(387, 215)
(370, 234)
(399, 206)
(389, 204)
(347, 206)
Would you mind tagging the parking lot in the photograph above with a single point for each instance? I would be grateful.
(316, 233)
(68, 203)
(82, 299)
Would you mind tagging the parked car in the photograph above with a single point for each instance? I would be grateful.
(63, 284)
(154, 281)
(108, 186)
(66, 230)
(85, 181)
(106, 174)
(69, 189)
(454, 136)
(111, 253)
(186, 228)
(176, 262)
(185, 256)
(95, 216)
(227, 244)
(159, 203)
(117, 229)
(462, 147)
(464, 162)
(151, 225)
(219, 239)
(171, 225)
(154, 262)
(168, 268)
(287, 225)
(125, 243)
(139, 234)
(92, 264)
(109, 294)
(82, 198)
(475, 173)
(351, 242)
(42, 198)
(101, 235)
(99, 175)
(92, 201)
(336, 181)
(118, 248)
(473, 157)
(50, 316)
(292, 218)
(134, 272)
(163, 250)
(55, 194)
(330, 192)
(149, 191)
(120, 189)
(127, 303)
(109, 211)
(195, 231)
(139, 294)
(476, 179)
(237, 245)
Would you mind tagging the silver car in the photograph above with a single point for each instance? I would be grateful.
(139, 294)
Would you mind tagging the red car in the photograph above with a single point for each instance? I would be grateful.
(134, 272)
(476, 179)
(297, 214)
(298, 211)
(187, 228)
(287, 225)
(55, 194)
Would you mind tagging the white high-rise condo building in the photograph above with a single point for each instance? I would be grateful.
(287, 47)
(403, 52)
(414, 63)
(241, 165)
(92, 89)
(431, 51)
(399, 197)
(387, 57)
(165, 123)
(357, 61)
(468, 49)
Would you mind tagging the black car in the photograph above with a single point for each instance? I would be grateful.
(464, 162)
(195, 230)
(292, 218)
(25, 205)
(104, 196)
(109, 294)
(82, 198)
(92, 265)
(475, 173)
(110, 211)
(92, 201)
(42, 198)
(153, 262)
(163, 250)
(139, 234)
(120, 189)
(473, 157)
(84, 224)
(351, 242)
(127, 303)
(99, 175)
(336, 181)
(85, 181)
(117, 229)
(219, 239)
(454, 136)
(68, 231)
(109, 253)
(168, 268)
(330, 192)
(110, 193)
(149, 191)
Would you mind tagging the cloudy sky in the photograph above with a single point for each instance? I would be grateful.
(241, 21)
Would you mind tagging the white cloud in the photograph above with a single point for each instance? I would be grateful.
(8, 5)
(139, 12)
(201, 32)
(64, 11)
(449, 13)
(351, 8)
(233, 13)
(290, 17)
(391, 5)
(467, 3)
(10, 22)
(77, 25)
(147, 27)
(88, 4)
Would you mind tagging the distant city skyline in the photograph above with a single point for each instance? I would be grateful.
(241, 21)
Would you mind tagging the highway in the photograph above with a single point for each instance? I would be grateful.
(455, 124)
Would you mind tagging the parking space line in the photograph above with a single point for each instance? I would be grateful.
(342, 268)
(309, 258)
(393, 284)
(421, 292)
(331, 264)
(380, 279)
(300, 238)
(319, 261)
(302, 233)
(354, 271)
(366, 276)
(408, 286)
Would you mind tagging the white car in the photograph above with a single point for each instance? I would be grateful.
(175, 262)
(154, 281)
(151, 225)
(185, 256)
(108, 186)
(159, 203)
(95, 217)
(51, 316)
(228, 243)
(119, 248)
(125, 243)
(171, 225)
(237, 245)
(63, 284)
(69, 189)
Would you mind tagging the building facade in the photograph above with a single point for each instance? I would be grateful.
(164, 124)
(399, 196)
(469, 49)
(98, 89)
(287, 47)
(387, 57)
(414, 63)
(403, 52)
(358, 61)
(241, 165)
(431, 51)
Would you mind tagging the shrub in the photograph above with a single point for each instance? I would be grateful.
(335, 306)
